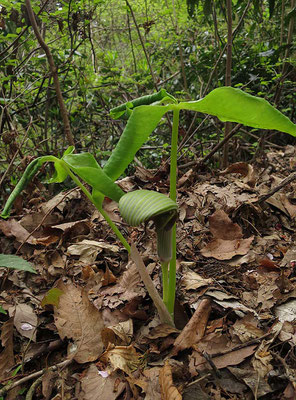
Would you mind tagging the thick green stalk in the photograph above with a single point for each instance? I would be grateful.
(165, 282)
(173, 196)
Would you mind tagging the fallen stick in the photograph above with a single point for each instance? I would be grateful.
(35, 375)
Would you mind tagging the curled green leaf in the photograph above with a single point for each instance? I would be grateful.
(145, 205)
(120, 111)
(29, 173)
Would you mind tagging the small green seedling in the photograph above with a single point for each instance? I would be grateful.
(143, 115)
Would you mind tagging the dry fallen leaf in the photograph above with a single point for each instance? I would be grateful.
(246, 328)
(227, 249)
(149, 383)
(192, 281)
(161, 331)
(227, 241)
(7, 356)
(60, 200)
(89, 249)
(250, 176)
(168, 390)
(234, 357)
(25, 320)
(258, 386)
(100, 385)
(119, 334)
(195, 328)
(124, 358)
(222, 227)
(12, 228)
(78, 319)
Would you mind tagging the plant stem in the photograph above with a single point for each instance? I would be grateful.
(165, 282)
(164, 315)
(102, 211)
(173, 196)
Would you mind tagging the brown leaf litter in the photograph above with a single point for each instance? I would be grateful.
(86, 326)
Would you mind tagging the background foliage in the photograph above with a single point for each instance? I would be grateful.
(108, 52)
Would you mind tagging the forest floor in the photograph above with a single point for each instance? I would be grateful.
(84, 326)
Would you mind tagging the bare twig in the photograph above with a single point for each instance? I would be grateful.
(284, 183)
(143, 44)
(227, 126)
(22, 32)
(215, 149)
(30, 393)
(54, 73)
(35, 375)
(16, 153)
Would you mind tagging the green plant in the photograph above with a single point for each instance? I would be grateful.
(143, 115)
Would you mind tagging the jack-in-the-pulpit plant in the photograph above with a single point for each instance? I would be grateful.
(143, 115)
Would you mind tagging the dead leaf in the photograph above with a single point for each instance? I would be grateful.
(246, 328)
(6, 356)
(222, 227)
(288, 333)
(108, 277)
(78, 319)
(81, 226)
(192, 281)
(128, 287)
(289, 392)
(12, 228)
(195, 328)
(32, 220)
(234, 357)
(48, 383)
(245, 169)
(119, 334)
(258, 386)
(149, 383)
(60, 200)
(226, 249)
(88, 250)
(161, 331)
(25, 320)
(101, 385)
(168, 390)
(124, 358)
(291, 208)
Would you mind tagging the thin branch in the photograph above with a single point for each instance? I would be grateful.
(35, 375)
(224, 48)
(22, 32)
(16, 153)
(285, 182)
(143, 45)
(215, 149)
(54, 73)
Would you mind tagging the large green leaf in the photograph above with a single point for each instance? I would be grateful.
(86, 167)
(15, 262)
(227, 103)
(141, 123)
(234, 105)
